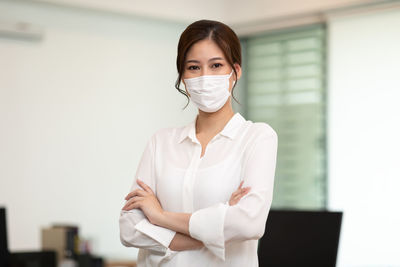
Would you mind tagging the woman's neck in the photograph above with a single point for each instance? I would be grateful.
(213, 123)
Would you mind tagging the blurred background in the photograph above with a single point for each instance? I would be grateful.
(84, 84)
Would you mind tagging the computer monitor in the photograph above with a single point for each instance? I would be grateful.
(300, 238)
(22, 258)
(3, 237)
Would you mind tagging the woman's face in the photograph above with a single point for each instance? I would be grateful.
(206, 58)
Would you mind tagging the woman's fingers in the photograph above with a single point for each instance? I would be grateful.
(237, 190)
(238, 194)
(145, 186)
(241, 183)
(243, 192)
(136, 192)
(140, 192)
(133, 203)
(240, 191)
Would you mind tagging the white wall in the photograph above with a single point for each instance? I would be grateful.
(364, 130)
(76, 109)
(230, 11)
(183, 11)
(261, 10)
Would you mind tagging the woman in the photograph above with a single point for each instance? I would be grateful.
(187, 206)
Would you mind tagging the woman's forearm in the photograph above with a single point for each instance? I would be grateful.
(182, 242)
(179, 222)
(176, 221)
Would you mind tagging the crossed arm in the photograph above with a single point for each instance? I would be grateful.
(146, 200)
(144, 224)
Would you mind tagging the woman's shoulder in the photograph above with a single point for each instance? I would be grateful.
(261, 130)
(167, 133)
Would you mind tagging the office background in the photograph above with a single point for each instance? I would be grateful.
(81, 95)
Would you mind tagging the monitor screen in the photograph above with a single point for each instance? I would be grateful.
(300, 238)
(3, 236)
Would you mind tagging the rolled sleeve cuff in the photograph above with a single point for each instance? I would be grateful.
(162, 235)
(207, 225)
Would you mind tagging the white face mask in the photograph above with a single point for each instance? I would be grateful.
(209, 92)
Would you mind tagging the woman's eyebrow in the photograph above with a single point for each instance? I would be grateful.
(192, 60)
(215, 58)
(211, 59)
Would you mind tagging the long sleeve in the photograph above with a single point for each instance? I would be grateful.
(135, 228)
(221, 223)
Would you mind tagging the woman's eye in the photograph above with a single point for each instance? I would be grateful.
(193, 67)
(217, 65)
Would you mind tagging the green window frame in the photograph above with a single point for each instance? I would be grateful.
(285, 87)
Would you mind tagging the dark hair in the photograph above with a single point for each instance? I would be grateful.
(220, 33)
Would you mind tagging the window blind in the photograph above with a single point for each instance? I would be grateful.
(286, 89)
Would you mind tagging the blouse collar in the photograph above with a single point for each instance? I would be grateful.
(230, 130)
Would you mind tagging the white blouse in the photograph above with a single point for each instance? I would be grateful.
(185, 182)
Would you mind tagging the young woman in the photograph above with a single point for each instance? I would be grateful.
(187, 205)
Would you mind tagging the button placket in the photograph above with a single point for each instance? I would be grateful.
(188, 183)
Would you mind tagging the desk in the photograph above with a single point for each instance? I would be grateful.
(120, 264)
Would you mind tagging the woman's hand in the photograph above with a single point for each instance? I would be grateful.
(145, 200)
(238, 194)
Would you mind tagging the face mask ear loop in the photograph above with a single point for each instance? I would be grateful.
(233, 83)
